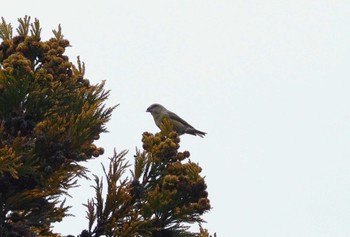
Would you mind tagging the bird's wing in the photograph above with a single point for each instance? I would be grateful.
(178, 119)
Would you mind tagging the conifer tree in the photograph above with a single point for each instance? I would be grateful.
(50, 116)
(164, 194)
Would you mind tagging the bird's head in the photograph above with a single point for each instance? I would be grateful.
(155, 109)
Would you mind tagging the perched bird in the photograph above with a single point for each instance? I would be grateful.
(179, 125)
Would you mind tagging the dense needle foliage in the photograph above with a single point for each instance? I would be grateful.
(165, 192)
(50, 117)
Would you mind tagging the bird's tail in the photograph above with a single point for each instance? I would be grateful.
(195, 132)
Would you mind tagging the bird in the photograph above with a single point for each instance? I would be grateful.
(159, 112)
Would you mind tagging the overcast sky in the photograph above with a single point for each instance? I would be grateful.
(268, 80)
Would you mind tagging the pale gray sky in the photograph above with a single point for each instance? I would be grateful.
(267, 80)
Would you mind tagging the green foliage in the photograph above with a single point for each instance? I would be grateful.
(116, 215)
(5, 30)
(165, 193)
(50, 117)
(173, 189)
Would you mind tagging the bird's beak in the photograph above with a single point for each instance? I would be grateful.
(147, 110)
